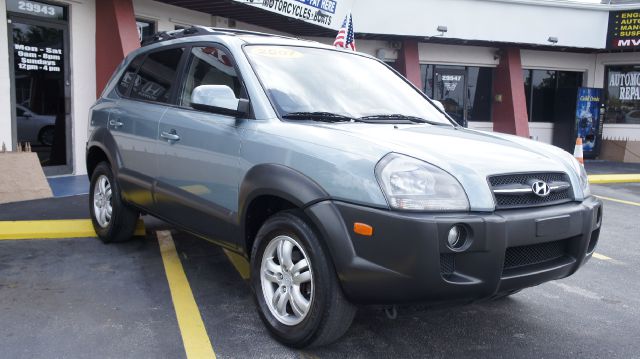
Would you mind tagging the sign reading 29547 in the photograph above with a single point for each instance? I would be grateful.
(36, 8)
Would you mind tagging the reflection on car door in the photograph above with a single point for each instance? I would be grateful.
(198, 168)
(134, 121)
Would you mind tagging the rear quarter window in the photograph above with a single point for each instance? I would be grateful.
(157, 75)
(129, 75)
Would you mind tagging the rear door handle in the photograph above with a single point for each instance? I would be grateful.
(170, 136)
(115, 123)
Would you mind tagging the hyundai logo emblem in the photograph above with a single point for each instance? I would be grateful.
(541, 188)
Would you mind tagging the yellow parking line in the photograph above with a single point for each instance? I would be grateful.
(615, 178)
(51, 229)
(619, 200)
(238, 261)
(194, 334)
(601, 257)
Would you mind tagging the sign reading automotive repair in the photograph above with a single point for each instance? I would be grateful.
(319, 12)
(624, 30)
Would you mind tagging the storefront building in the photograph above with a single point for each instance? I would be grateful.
(509, 66)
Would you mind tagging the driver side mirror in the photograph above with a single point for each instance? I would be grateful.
(218, 99)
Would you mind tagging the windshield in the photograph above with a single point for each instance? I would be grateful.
(311, 80)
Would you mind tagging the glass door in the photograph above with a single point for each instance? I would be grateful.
(449, 88)
(39, 53)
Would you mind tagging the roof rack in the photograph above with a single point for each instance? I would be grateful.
(197, 30)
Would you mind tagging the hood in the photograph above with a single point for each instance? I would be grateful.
(469, 155)
(458, 149)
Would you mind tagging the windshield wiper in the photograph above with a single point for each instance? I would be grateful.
(317, 116)
(395, 118)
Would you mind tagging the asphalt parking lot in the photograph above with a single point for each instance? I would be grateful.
(77, 298)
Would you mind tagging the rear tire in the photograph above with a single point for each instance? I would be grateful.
(315, 311)
(112, 219)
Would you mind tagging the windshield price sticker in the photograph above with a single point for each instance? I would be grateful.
(32, 58)
(36, 8)
(275, 51)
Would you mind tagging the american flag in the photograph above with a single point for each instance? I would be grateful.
(345, 37)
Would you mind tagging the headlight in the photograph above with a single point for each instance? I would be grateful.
(584, 179)
(581, 172)
(411, 184)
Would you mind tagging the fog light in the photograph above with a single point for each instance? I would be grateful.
(457, 237)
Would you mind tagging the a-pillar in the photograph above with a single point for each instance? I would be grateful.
(116, 36)
(510, 104)
(408, 62)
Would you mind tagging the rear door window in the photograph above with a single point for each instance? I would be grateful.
(157, 75)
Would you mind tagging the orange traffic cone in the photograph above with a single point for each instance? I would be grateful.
(577, 152)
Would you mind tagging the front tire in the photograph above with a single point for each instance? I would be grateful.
(295, 286)
(112, 219)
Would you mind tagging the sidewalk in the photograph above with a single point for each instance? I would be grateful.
(597, 167)
(72, 207)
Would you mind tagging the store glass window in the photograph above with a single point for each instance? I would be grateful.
(146, 29)
(465, 91)
(622, 94)
(543, 94)
(550, 94)
(156, 76)
(479, 89)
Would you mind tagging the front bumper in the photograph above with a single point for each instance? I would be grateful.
(407, 258)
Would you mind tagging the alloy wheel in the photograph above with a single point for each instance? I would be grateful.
(287, 280)
(102, 205)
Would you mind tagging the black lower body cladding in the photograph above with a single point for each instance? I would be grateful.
(408, 259)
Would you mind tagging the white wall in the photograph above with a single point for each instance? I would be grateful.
(82, 35)
(167, 16)
(457, 55)
(517, 22)
(5, 83)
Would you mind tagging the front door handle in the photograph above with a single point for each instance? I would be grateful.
(170, 136)
(115, 123)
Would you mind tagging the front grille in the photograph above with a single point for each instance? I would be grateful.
(447, 263)
(534, 254)
(509, 201)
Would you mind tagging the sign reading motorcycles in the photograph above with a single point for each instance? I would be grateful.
(33, 58)
(319, 12)
(624, 30)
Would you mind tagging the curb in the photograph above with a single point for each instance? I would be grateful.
(51, 229)
(614, 178)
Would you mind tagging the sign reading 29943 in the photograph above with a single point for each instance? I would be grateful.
(36, 8)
